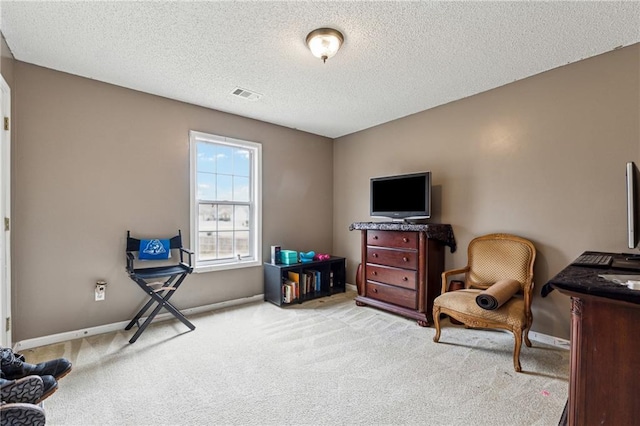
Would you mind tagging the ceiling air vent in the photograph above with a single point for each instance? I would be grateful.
(246, 94)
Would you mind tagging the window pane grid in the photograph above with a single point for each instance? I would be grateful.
(224, 199)
(224, 236)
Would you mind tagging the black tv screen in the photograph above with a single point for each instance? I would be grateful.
(633, 234)
(401, 196)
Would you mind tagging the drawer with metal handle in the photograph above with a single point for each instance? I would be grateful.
(390, 257)
(399, 277)
(403, 240)
(396, 295)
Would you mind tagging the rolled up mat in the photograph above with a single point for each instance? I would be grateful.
(496, 295)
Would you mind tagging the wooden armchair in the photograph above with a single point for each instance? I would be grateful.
(492, 258)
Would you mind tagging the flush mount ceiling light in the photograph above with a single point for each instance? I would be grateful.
(324, 42)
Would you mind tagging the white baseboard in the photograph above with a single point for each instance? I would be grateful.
(107, 328)
(549, 340)
(351, 287)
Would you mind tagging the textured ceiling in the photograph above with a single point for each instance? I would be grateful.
(398, 58)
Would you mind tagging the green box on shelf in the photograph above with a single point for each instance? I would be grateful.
(288, 257)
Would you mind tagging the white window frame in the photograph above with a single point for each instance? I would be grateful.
(255, 257)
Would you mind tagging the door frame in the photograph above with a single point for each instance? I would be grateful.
(5, 214)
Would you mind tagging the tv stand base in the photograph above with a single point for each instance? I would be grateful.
(420, 221)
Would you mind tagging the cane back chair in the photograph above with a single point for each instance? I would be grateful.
(492, 258)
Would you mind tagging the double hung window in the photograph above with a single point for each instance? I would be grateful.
(225, 202)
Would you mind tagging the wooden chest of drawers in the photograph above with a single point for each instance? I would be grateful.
(401, 273)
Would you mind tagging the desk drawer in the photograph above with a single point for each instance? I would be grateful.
(400, 277)
(395, 239)
(398, 258)
(390, 294)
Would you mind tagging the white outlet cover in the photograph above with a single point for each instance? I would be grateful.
(99, 294)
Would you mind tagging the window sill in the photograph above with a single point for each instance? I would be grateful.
(226, 266)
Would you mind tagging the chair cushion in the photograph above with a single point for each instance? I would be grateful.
(464, 301)
(161, 271)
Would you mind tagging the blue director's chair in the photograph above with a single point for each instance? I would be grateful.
(157, 251)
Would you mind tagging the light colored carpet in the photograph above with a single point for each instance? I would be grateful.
(325, 362)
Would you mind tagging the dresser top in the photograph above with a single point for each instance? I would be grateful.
(437, 231)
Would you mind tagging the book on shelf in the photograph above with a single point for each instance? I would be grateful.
(315, 279)
(287, 291)
(308, 281)
(295, 278)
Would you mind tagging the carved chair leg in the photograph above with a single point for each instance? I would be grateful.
(436, 322)
(517, 334)
(526, 337)
(526, 331)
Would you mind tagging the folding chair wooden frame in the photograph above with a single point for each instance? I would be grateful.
(160, 292)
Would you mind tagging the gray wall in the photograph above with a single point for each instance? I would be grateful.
(543, 158)
(93, 160)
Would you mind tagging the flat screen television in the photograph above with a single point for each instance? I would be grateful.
(631, 261)
(406, 196)
(633, 233)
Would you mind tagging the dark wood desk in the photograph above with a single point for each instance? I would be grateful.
(604, 386)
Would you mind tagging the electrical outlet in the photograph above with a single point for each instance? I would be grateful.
(101, 289)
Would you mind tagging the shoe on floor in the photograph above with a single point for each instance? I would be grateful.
(50, 386)
(15, 354)
(14, 368)
(30, 389)
(22, 414)
(27, 389)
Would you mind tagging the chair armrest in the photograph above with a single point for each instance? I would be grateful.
(189, 253)
(447, 274)
(130, 259)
